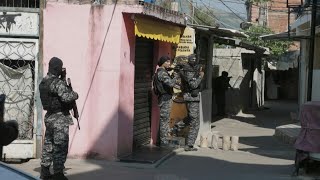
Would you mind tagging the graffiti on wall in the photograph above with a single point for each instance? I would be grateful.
(6, 20)
(15, 23)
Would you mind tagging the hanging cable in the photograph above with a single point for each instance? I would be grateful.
(211, 16)
(232, 10)
(222, 23)
(95, 70)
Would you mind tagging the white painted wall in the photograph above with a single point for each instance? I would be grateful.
(230, 60)
(303, 72)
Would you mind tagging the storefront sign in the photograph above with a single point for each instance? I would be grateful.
(187, 42)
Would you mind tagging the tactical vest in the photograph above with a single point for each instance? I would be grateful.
(50, 101)
(184, 80)
(158, 87)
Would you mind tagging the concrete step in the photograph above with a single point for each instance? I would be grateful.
(287, 133)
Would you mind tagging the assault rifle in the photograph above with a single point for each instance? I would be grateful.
(74, 105)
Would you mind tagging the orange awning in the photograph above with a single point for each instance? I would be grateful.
(157, 30)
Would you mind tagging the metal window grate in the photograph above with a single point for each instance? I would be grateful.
(20, 3)
(17, 76)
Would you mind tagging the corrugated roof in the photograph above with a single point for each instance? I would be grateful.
(240, 43)
(226, 36)
(284, 36)
(224, 32)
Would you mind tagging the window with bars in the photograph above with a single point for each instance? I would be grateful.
(20, 3)
(17, 82)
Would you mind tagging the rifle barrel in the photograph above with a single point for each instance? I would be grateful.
(75, 107)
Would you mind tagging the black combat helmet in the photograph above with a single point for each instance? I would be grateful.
(162, 60)
(192, 59)
(55, 66)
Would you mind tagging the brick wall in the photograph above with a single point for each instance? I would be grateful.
(254, 13)
(277, 18)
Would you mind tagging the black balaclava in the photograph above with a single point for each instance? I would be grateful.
(192, 59)
(224, 74)
(55, 66)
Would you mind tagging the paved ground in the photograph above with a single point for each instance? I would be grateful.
(261, 156)
(288, 133)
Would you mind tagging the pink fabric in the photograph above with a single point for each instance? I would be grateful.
(309, 137)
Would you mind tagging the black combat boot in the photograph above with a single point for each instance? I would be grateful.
(59, 176)
(45, 173)
(190, 148)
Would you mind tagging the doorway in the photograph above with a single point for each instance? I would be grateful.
(142, 92)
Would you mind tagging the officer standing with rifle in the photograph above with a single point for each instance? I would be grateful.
(191, 77)
(57, 99)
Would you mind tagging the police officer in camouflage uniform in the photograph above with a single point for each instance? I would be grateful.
(57, 99)
(164, 85)
(191, 77)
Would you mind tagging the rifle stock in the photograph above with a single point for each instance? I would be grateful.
(74, 106)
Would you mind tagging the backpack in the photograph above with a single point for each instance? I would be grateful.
(157, 86)
(44, 89)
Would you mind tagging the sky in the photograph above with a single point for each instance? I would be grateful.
(237, 6)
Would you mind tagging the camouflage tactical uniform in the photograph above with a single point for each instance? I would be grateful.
(192, 80)
(165, 103)
(55, 147)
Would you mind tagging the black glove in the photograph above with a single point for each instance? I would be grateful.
(63, 73)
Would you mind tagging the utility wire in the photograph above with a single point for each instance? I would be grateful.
(209, 10)
(237, 11)
(200, 19)
(95, 69)
(211, 16)
(234, 2)
(232, 10)
(222, 23)
(194, 19)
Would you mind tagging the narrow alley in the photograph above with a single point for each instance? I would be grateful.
(260, 154)
(162, 89)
